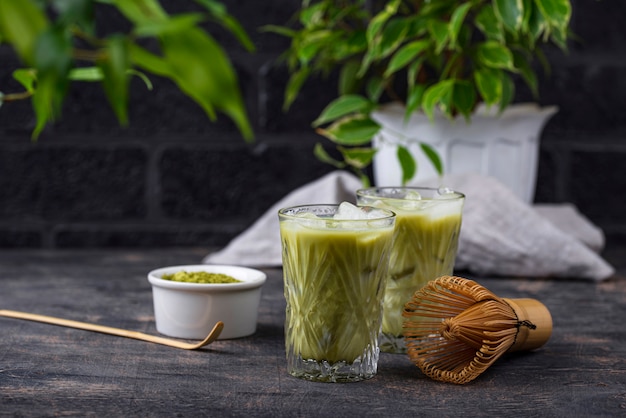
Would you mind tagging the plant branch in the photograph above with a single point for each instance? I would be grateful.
(81, 34)
(85, 55)
(12, 97)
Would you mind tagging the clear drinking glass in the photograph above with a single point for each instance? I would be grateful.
(428, 222)
(334, 272)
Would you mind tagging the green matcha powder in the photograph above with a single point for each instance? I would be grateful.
(200, 277)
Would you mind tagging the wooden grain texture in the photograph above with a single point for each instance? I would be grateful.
(52, 371)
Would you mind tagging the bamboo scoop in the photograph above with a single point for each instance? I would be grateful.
(455, 328)
(215, 332)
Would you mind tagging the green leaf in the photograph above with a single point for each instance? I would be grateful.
(53, 52)
(365, 180)
(27, 77)
(206, 77)
(312, 15)
(510, 13)
(279, 30)
(556, 12)
(527, 7)
(86, 74)
(508, 90)
(418, 27)
(489, 84)
(142, 76)
(487, 23)
(439, 32)
(218, 10)
(114, 63)
(369, 57)
(43, 103)
(52, 57)
(413, 72)
(494, 55)
(348, 82)
(407, 164)
(324, 157)
(233, 25)
(433, 157)
(376, 24)
(437, 94)
(79, 12)
(414, 100)
(359, 157)
(373, 35)
(526, 72)
(342, 106)
(405, 55)
(150, 62)
(346, 48)
(351, 130)
(92, 74)
(392, 37)
(141, 11)
(174, 24)
(214, 7)
(559, 37)
(456, 21)
(294, 85)
(21, 23)
(440, 7)
(464, 97)
(375, 87)
(537, 24)
(312, 43)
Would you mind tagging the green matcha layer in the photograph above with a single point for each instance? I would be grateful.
(334, 282)
(428, 222)
(424, 248)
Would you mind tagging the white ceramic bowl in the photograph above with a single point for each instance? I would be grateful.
(190, 310)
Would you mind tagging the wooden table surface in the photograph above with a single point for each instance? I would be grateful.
(47, 370)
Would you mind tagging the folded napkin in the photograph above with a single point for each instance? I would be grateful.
(500, 235)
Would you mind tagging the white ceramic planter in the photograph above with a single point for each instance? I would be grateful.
(504, 146)
(190, 310)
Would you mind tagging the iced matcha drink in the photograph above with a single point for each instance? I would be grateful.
(334, 265)
(427, 229)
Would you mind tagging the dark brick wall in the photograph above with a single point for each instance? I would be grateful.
(583, 151)
(174, 178)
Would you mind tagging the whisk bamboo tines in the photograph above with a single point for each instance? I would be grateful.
(455, 328)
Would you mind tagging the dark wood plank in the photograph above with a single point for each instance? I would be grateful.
(47, 370)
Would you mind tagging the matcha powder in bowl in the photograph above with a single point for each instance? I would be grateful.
(190, 299)
(200, 277)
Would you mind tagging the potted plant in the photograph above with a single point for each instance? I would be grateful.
(441, 60)
(59, 43)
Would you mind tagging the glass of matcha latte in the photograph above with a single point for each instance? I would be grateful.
(428, 222)
(335, 260)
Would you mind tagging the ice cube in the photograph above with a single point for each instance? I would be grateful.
(410, 200)
(412, 195)
(348, 211)
(310, 220)
(376, 214)
(306, 215)
(445, 193)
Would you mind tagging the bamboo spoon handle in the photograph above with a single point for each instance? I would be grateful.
(215, 332)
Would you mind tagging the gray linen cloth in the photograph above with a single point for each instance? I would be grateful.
(500, 235)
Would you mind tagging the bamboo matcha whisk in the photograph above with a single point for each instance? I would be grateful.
(455, 328)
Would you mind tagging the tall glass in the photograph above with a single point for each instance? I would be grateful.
(334, 272)
(426, 237)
